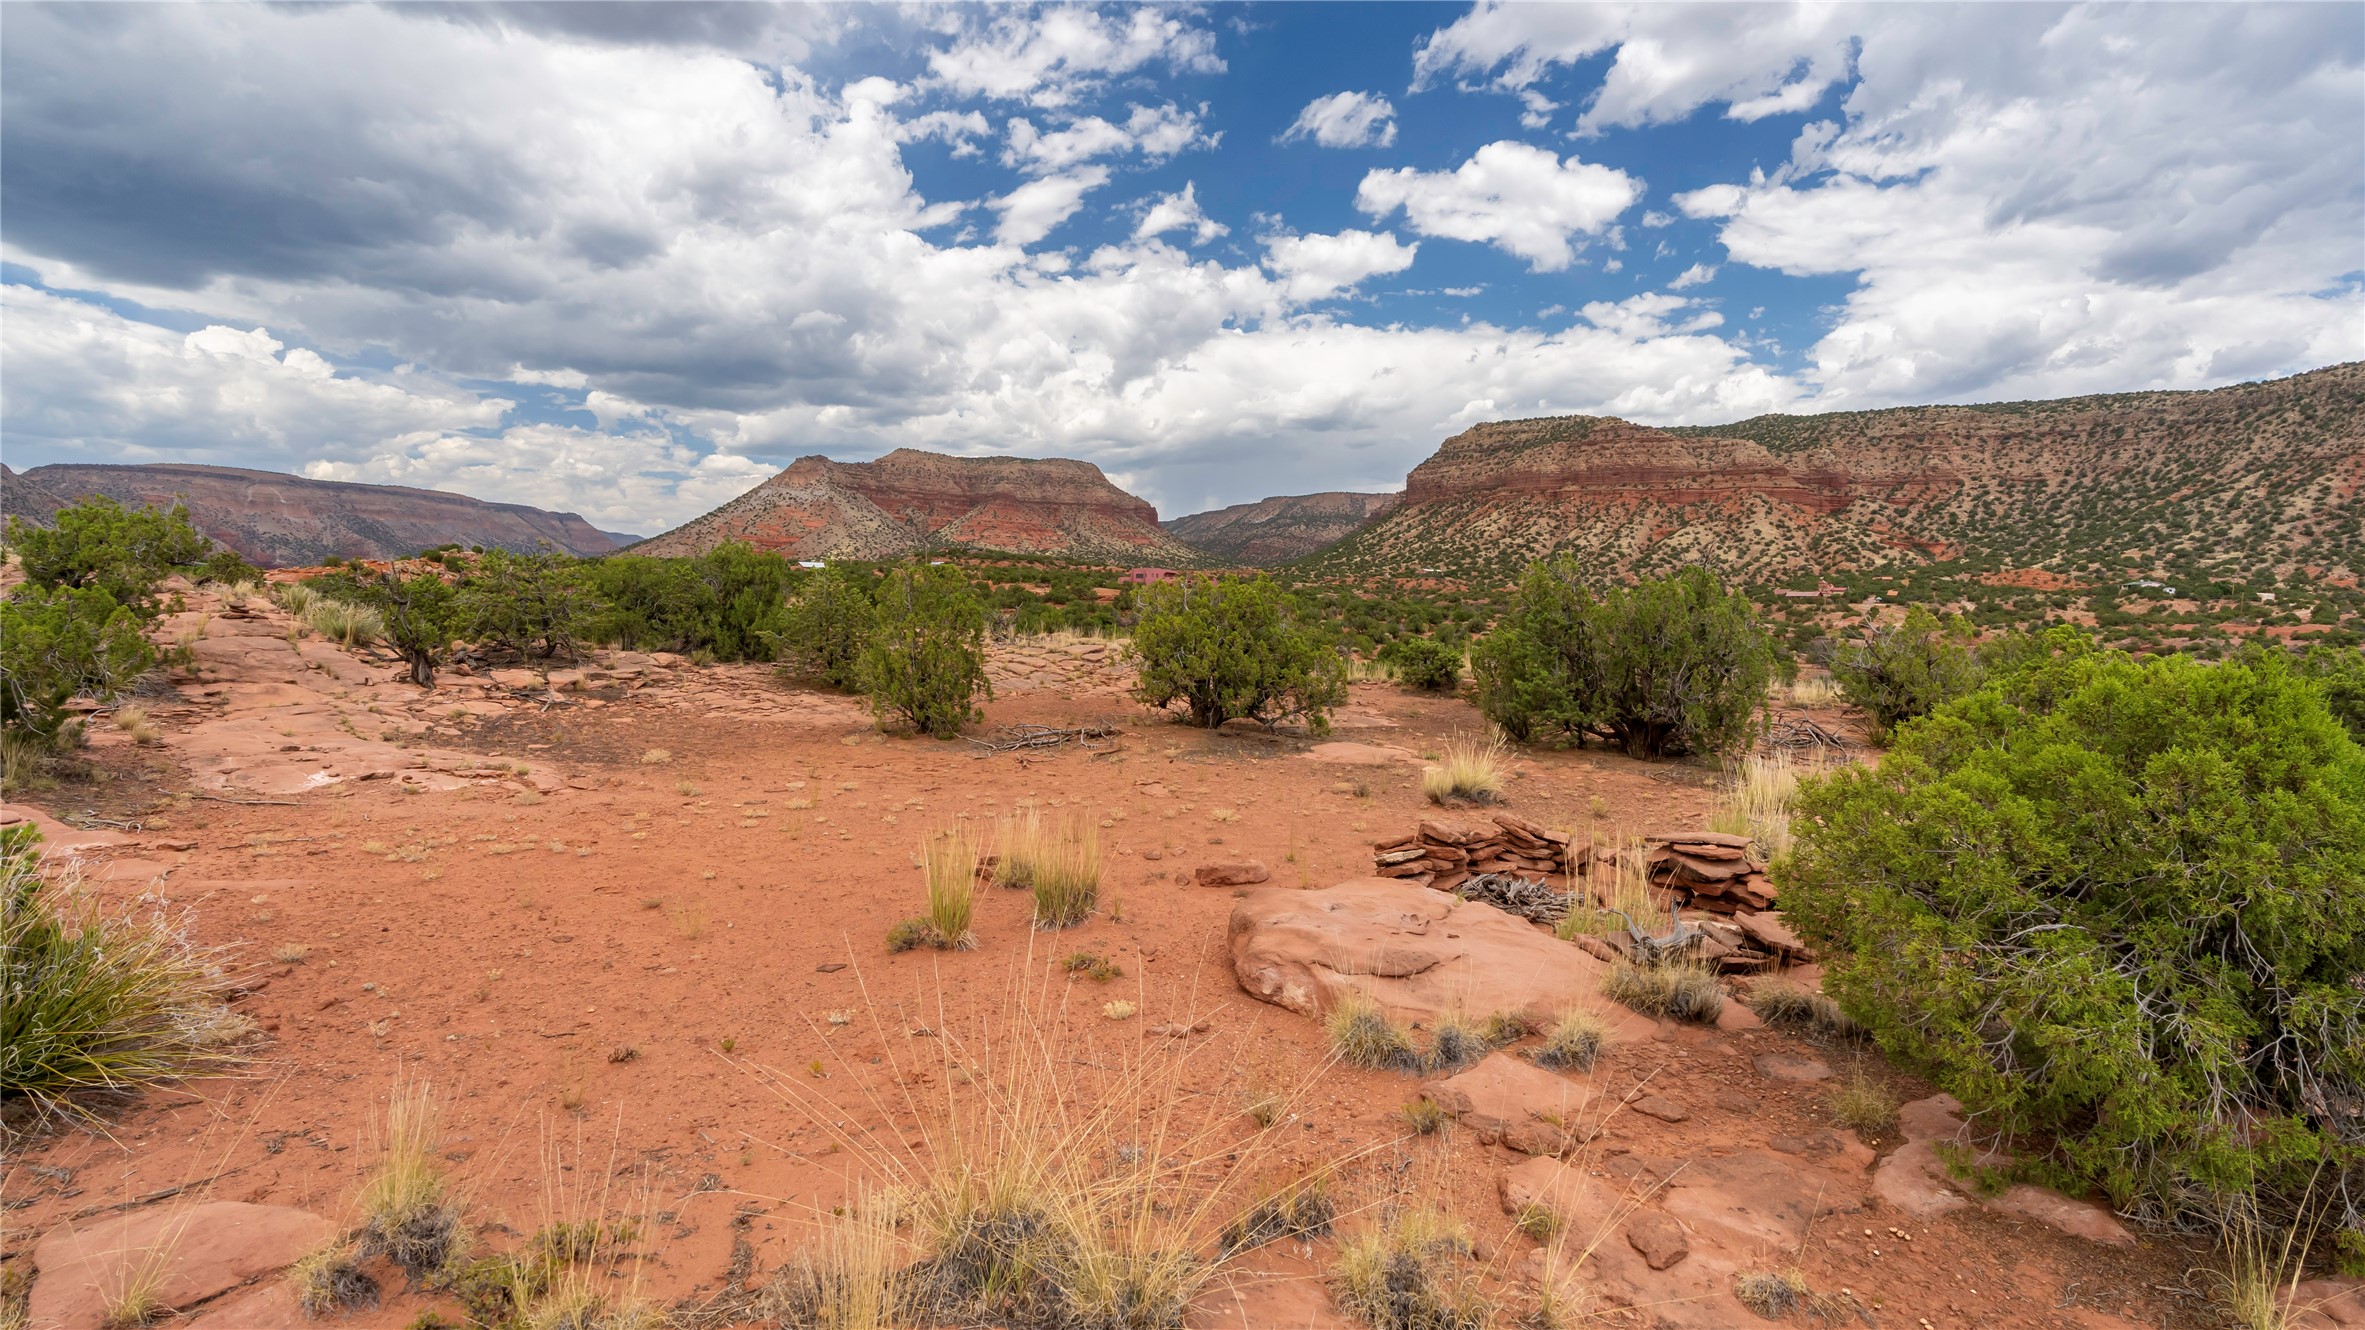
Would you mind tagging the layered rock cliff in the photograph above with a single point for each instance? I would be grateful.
(280, 520)
(1281, 529)
(911, 500)
(2246, 478)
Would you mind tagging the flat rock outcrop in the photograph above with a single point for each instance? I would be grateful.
(911, 500)
(207, 1250)
(1282, 529)
(1915, 1179)
(1419, 953)
(280, 521)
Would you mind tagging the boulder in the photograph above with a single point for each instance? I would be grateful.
(207, 1250)
(1243, 873)
(1418, 953)
(1659, 1239)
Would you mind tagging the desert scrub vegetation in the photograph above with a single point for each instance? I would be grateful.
(1757, 802)
(1679, 989)
(1057, 1184)
(57, 644)
(1056, 859)
(1423, 663)
(409, 1213)
(99, 1003)
(1470, 771)
(1411, 1270)
(1234, 648)
(2111, 904)
(1791, 1006)
(1675, 666)
(1907, 670)
(830, 622)
(1362, 1034)
(948, 864)
(924, 665)
(1573, 1042)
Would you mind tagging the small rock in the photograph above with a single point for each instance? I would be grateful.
(1733, 1101)
(1822, 1144)
(1153, 855)
(829, 967)
(1658, 1238)
(1665, 1110)
(1791, 1067)
(1242, 873)
(1735, 1016)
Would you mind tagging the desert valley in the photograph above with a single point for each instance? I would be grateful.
(653, 942)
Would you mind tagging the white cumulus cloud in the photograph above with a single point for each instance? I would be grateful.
(1346, 120)
(1520, 198)
(1314, 266)
(1176, 212)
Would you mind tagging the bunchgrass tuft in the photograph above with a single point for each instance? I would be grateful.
(1362, 1035)
(346, 625)
(1055, 858)
(101, 1003)
(949, 861)
(1300, 1210)
(1470, 771)
(1770, 1293)
(1411, 1271)
(1573, 1042)
(331, 1281)
(132, 719)
(408, 1212)
(1681, 990)
(1789, 1006)
(1537, 1221)
(1425, 1116)
(1863, 1105)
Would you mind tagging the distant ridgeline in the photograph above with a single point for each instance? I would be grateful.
(2236, 485)
(280, 521)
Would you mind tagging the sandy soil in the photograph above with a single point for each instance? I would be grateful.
(503, 887)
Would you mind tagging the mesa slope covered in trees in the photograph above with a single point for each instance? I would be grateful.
(279, 520)
(1280, 529)
(2233, 483)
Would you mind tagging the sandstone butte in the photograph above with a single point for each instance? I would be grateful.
(2257, 475)
(1280, 529)
(911, 500)
(278, 520)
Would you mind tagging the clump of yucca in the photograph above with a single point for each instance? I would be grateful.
(1573, 1042)
(100, 1002)
(1682, 990)
(1362, 1035)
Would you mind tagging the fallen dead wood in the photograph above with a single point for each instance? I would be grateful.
(1017, 738)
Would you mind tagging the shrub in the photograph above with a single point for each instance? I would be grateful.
(93, 1001)
(2339, 674)
(730, 603)
(1301, 1210)
(1780, 1003)
(57, 644)
(1408, 1273)
(1908, 670)
(416, 615)
(534, 604)
(1234, 648)
(925, 664)
(829, 624)
(101, 545)
(2113, 901)
(1424, 663)
(1665, 667)
(228, 568)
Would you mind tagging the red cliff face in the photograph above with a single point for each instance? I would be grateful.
(280, 520)
(910, 500)
(1598, 459)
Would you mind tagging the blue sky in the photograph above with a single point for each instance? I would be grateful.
(629, 260)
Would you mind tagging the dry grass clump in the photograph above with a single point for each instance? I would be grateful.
(1620, 888)
(132, 719)
(1573, 1042)
(1772, 1294)
(1060, 1184)
(1092, 965)
(1302, 1209)
(1470, 771)
(330, 1281)
(294, 597)
(1459, 1041)
(1812, 690)
(344, 624)
(1863, 1105)
(1411, 1272)
(408, 1212)
(1790, 1006)
(1362, 1035)
(1683, 990)
(569, 1275)
(1757, 803)
(1055, 858)
(1425, 1116)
